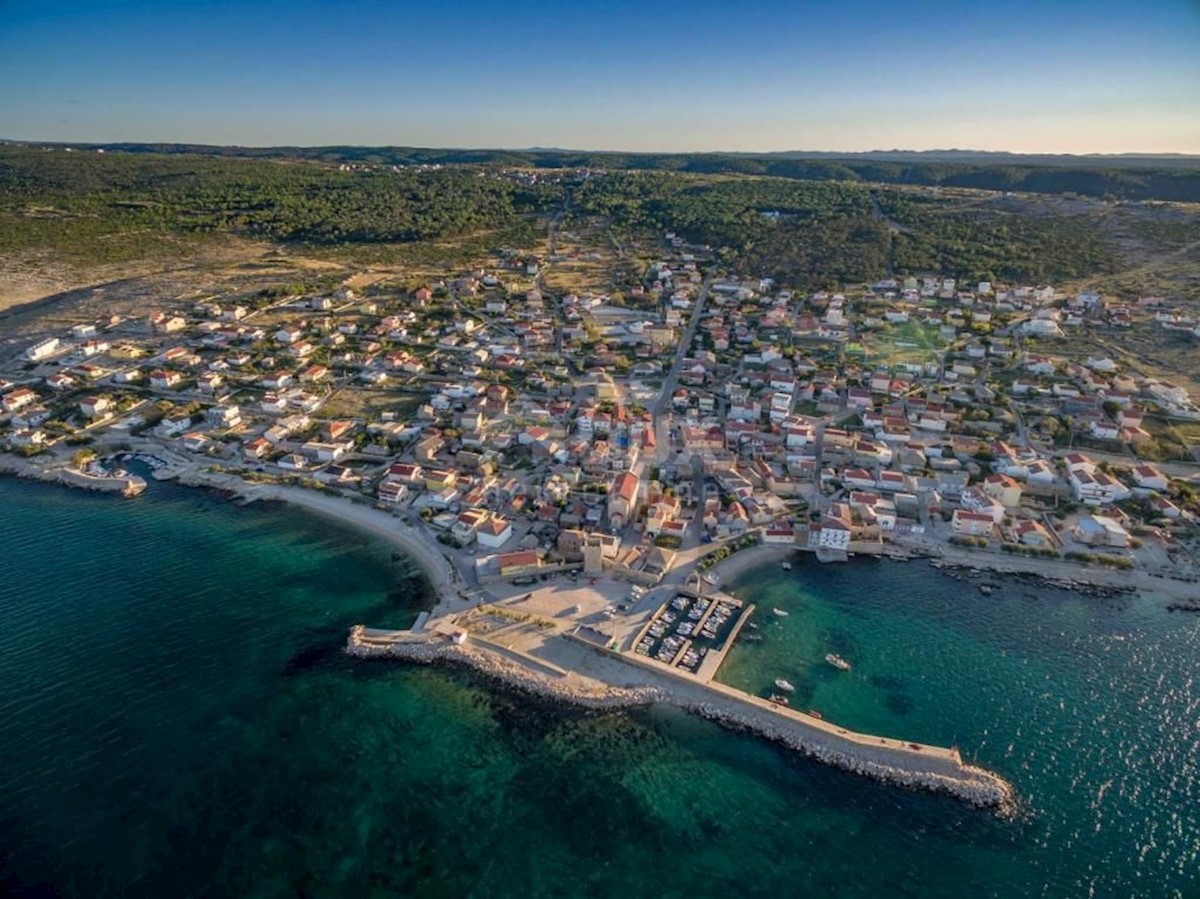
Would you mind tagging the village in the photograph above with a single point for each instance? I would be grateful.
(695, 414)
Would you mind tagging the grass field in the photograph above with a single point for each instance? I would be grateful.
(907, 342)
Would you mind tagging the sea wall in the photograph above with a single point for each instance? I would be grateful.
(933, 773)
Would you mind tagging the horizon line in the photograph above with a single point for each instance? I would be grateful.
(542, 149)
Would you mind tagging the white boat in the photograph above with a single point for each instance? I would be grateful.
(784, 685)
(786, 566)
(780, 612)
(837, 662)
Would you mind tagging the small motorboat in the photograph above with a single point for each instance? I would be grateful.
(837, 662)
(814, 713)
(778, 699)
(784, 685)
(780, 612)
(786, 566)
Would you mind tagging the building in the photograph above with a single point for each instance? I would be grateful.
(43, 349)
(1004, 489)
(972, 524)
(623, 499)
(18, 399)
(494, 532)
(96, 406)
(516, 564)
(1100, 530)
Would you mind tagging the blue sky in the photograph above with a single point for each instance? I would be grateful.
(1048, 76)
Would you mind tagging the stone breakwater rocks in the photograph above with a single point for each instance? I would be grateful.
(972, 785)
(130, 485)
(509, 674)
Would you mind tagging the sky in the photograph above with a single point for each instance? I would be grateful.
(1062, 76)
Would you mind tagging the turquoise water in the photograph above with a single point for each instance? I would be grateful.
(177, 719)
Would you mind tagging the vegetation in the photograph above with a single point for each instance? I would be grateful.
(1132, 178)
(99, 208)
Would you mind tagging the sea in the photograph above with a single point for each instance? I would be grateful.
(177, 719)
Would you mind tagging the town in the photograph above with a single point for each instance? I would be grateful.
(692, 414)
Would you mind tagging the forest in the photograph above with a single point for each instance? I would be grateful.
(820, 234)
(106, 207)
(1132, 177)
(93, 207)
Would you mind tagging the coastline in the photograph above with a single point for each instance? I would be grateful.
(128, 485)
(365, 519)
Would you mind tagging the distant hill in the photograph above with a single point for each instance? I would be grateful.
(1128, 176)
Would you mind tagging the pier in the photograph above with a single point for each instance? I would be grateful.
(590, 659)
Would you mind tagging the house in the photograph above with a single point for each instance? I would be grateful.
(256, 449)
(972, 524)
(464, 527)
(324, 452)
(293, 462)
(195, 442)
(224, 415)
(18, 399)
(1149, 477)
(1100, 530)
(29, 438)
(779, 533)
(1003, 488)
(165, 379)
(1028, 532)
(1096, 488)
(174, 425)
(96, 406)
(405, 473)
(392, 491)
(494, 532)
(623, 499)
(974, 499)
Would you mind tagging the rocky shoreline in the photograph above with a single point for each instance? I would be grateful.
(1087, 588)
(967, 783)
(129, 485)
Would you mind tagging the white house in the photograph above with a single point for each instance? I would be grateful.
(1149, 477)
(494, 532)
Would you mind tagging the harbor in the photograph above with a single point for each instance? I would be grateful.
(596, 644)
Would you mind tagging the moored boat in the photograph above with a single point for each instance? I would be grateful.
(780, 612)
(778, 699)
(837, 662)
(785, 686)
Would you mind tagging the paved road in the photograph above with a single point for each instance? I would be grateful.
(685, 344)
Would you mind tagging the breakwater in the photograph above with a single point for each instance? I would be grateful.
(907, 765)
(127, 485)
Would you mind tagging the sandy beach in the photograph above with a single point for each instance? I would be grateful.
(418, 546)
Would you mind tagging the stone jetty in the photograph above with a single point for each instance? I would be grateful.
(909, 765)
